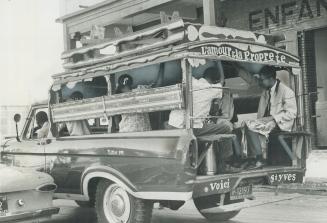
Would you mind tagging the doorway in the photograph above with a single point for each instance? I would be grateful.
(320, 55)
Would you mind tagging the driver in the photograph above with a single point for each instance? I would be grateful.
(43, 125)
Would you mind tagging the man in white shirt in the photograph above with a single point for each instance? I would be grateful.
(277, 111)
(204, 91)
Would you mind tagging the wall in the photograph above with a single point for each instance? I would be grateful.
(266, 15)
(298, 20)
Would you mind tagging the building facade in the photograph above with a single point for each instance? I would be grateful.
(303, 23)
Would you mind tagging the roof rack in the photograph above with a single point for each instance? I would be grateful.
(169, 33)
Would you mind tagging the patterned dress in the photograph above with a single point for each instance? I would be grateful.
(135, 122)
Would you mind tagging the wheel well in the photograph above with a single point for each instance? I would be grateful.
(92, 187)
(91, 180)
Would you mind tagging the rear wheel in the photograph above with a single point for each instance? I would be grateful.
(224, 216)
(115, 205)
(202, 203)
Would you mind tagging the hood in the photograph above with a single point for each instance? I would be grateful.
(4, 143)
(19, 179)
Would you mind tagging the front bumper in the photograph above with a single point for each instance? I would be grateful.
(24, 216)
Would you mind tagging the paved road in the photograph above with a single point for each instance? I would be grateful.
(302, 209)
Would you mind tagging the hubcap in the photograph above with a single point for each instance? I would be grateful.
(116, 204)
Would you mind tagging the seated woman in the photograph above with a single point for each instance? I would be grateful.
(135, 122)
(131, 122)
(79, 127)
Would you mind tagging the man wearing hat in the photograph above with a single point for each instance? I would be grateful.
(277, 111)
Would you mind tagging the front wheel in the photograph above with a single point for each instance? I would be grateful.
(115, 205)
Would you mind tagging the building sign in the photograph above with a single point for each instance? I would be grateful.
(246, 53)
(285, 13)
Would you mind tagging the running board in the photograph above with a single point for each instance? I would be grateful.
(250, 203)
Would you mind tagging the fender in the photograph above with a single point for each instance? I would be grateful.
(118, 178)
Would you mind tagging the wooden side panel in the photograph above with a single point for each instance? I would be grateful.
(145, 100)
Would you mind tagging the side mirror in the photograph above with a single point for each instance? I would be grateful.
(17, 118)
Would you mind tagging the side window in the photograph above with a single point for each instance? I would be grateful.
(87, 88)
(84, 127)
(98, 125)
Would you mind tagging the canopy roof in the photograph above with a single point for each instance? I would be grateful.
(172, 41)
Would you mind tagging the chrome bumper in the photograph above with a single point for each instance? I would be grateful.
(16, 217)
(251, 203)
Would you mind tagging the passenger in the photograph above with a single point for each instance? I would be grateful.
(224, 108)
(80, 127)
(277, 111)
(131, 122)
(42, 130)
(203, 95)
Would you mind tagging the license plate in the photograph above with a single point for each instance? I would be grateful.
(241, 192)
(3, 206)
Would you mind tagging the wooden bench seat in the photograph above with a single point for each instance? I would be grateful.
(282, 136)
(216, 137)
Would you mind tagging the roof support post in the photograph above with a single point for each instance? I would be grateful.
(209, 12)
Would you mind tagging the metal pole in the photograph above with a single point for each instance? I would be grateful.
(209, 12)
(17, 136)
(187, 83)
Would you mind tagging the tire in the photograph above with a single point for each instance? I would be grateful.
(220, 217)
(210, 201)
(85, 204)
(113, 204)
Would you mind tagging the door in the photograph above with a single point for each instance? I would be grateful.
(29, 153)
(320, 40)
(67, 157)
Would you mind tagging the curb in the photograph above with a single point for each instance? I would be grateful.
(306, 188)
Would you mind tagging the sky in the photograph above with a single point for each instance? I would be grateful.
(30, 53)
